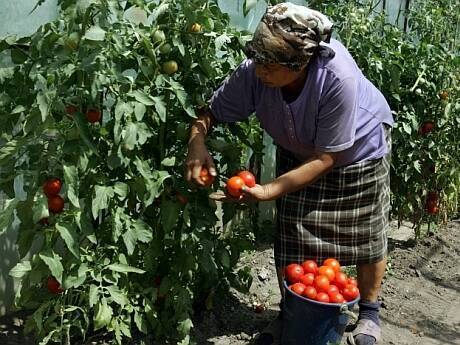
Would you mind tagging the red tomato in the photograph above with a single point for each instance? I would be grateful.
(248, 178)
(53, 286)
(52, 187)
(321, 283)
(310, 292)
(307, 279)
(71, 109)
(293, 272)
(327, 271)
(56, 204)
(350, 292)
(310, 266)
(93, 115)
(426, 127)
(234, 186)
(298, 288)
(181, 198)
(205, 177)
(432, 209)
(352, 281)
(322, 297)
(332, 263)
(340, 280)
(332, 290)
(336, 298)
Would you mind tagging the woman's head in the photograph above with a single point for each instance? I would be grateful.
(287, 37)
(276, 75)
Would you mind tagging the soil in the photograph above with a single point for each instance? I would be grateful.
(420, 297)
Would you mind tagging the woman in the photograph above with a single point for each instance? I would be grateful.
(331, 126)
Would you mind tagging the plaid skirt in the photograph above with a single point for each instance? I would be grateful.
(343, 215)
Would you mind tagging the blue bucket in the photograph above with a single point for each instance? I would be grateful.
(308, 322)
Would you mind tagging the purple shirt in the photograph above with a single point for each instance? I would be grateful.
(338, 110)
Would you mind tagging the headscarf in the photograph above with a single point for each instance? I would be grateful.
(289, 35)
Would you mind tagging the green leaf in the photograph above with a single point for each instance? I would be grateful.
(169, 214)
(248, 5)
(40, 208)
(53, 261)
(117, 295)
(71, 181)
(101, 200)
(130, 239)
(121, 189)
(139, 111)
(21, 269)
(68, 232)
(103, 315)
(407, 128)
(169, 161)
(7, 214)
(143, 231)
(43, 105)
(93, 295)
(122, 268)
(160, 108)
(140, 322)
(185, 326)
(95, 33)
(142, 97)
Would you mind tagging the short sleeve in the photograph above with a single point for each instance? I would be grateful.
(336, 124)
(234, 100)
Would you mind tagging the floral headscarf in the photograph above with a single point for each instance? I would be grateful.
(288, 34)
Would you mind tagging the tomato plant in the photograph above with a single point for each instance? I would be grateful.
(123, 223)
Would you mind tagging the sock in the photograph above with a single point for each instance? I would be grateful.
(369, 311)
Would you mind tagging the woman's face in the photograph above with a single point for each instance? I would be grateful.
(275, 75)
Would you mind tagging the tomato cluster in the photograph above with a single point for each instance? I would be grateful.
(326, 283)
(51, 189)
(236, 183)
(432, 202)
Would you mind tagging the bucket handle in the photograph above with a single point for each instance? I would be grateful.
(344, 310)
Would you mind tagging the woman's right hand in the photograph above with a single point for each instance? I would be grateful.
(197, 158)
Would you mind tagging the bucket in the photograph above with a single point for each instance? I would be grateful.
(308, 322)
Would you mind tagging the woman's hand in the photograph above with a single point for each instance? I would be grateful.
(197, 157)
(256, 193)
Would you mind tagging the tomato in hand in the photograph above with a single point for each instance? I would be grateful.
(332, 263)
(248, 178)
(350, 292)
(235, 186)
(307, 279)
(53, 286)
(52, 187)
(293, 272)
(206, 177)
(310, 292)
(340, 280)
(298, 288)
(327, 271)
(322, 297)
(310, 266)
(56, 204)
(321, 283)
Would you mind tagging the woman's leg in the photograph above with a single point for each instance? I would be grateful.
(370, 279)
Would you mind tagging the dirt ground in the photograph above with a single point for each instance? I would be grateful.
(420, 297)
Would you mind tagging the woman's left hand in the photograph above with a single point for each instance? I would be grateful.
(256, 193)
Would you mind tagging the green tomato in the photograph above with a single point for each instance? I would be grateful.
(165, 48)
(159, 36)
(170, 67)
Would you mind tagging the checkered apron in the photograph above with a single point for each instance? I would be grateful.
(343, 215)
